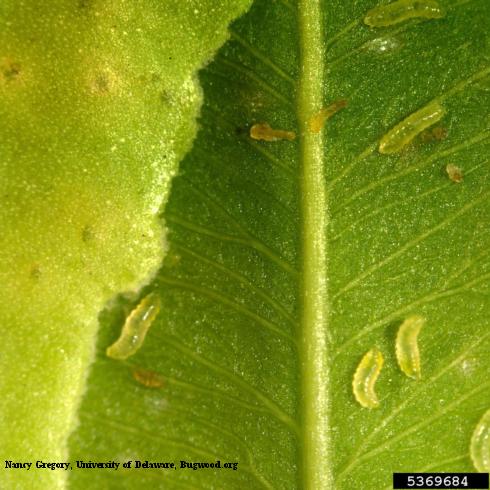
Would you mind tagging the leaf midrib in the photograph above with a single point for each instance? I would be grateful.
(313, 334)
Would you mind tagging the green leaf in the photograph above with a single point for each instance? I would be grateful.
(98, 103)
(288, 261)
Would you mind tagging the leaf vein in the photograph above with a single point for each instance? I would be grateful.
(280, 308)
(370, 270)
(416, 392)
(225, 300)
(262, 57)
(272, 406)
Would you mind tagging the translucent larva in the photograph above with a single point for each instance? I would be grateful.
(264, 132)
(135, 328)
(407, 350)
(402, 10)
(400, 135)
(365, 377)
(317, 121)
(480, 444)
(147, 378)
(454, 173)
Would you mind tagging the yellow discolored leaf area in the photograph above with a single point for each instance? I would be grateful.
(97, 106)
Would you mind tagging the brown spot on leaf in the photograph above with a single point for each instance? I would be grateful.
(35, 272)
(454, 173)
(9, 70)
(147, 378)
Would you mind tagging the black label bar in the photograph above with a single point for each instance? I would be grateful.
(440, 480)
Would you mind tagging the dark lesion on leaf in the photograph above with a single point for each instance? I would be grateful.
(10, 70)
(35, 272)
(101, 83)
(88, 234)
(105, 82)
(85, 4)
(439, 133)
(167, 99)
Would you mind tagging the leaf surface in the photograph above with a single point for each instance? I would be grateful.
(98, 103)
(289, 260)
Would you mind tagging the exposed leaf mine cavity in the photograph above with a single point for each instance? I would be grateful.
(402, 10)
(135, 328)
(407, 350)
(263, 132)
(365, 377)
(403, 133)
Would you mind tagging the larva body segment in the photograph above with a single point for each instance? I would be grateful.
(480, 444)
(147, 378)
(365, 377)
(407, 350)
(402, 10)
(135, 328)
(454, 173)
(263, 131)
(317, 121)
(404, 132)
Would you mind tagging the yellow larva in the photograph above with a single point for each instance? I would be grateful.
(400, 135)
(135, 328)
(402, 10)
(480, 444)
(365, 377)
(316, 122)
(147, 378)
(264, 132)
(407, 350)
(454, 173)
